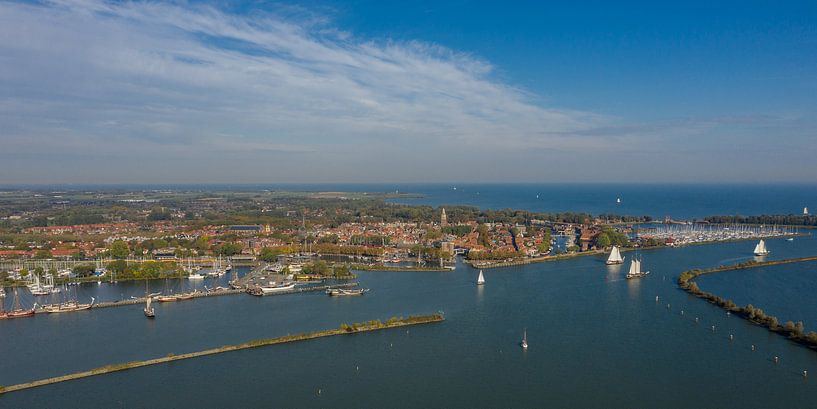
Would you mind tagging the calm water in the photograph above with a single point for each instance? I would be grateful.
(680, 201)
(596, 340)
(658, 201)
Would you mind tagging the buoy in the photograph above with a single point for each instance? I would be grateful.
(696, 319)
(776, 359)
(731, 337)
(805, 373)
(728, 313)
(391, 345)
(753, 347)
(357, 368)
(667, 306)
(713, 328)
(656, 298)
(682, 312)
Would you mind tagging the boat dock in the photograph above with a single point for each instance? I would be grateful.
(141, 300)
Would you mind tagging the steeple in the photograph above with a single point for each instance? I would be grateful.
(443, 218)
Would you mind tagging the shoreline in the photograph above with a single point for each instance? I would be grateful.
(559, 257)
(344, 329)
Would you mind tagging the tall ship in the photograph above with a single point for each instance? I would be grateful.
(19, 311)
(635, 269)
(481, 278)
(615, 256)
(760, 248)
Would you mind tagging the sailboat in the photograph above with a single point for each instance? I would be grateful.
(618, 200)
(805, 211)
(148, 310)
(524, 343)
(481, 278)
(635, 270)
(194, 272)
(18, 311)
(760, 249)
(615, 256)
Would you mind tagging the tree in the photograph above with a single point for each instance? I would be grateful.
(269, 254)
(43, 253)
(119, 250)
(602, 241)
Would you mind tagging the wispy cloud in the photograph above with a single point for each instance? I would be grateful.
(162, 83)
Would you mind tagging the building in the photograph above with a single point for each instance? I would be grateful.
(443, 218)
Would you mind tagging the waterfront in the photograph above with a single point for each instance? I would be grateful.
(597, 340)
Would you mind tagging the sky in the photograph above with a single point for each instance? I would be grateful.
(407, 91)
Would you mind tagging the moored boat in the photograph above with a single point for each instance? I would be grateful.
(342, 291)
(167, 298)
(18, 311)
(68, 306)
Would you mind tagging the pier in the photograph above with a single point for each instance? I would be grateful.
(344, 329)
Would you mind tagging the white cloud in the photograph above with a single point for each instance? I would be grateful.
(149, 83)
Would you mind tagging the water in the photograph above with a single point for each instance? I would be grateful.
(658, 201)
(596, 340)
(680, 201)
(778, 290)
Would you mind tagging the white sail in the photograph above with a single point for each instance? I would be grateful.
(481, 278)
(805, 211)
(615, 256)
(760, 248)
(633, 268)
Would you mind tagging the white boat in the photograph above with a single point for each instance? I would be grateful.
(635, 270)
(618, 200)
(481, 278)
(615, 256)
(195, 276)
(805, 211)
(524, 343)
(276, 288)
(341, 291)
(760, 249)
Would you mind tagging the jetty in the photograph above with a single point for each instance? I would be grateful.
(344, 329)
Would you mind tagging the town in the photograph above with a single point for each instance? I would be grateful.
(157, 234)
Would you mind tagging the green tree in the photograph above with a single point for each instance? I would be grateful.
(43, 253)
(119, 250)
(602, 241)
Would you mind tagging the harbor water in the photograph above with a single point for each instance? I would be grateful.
(596, 340)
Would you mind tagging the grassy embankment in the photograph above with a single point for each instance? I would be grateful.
(793, 331)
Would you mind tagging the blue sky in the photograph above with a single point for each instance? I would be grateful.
(375, 91)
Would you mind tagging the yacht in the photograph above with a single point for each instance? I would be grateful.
(760, 249)
(615, 256)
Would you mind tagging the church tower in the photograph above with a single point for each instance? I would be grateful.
(443, 218)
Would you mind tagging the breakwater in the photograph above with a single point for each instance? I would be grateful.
(791, 330)
(344, 329)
